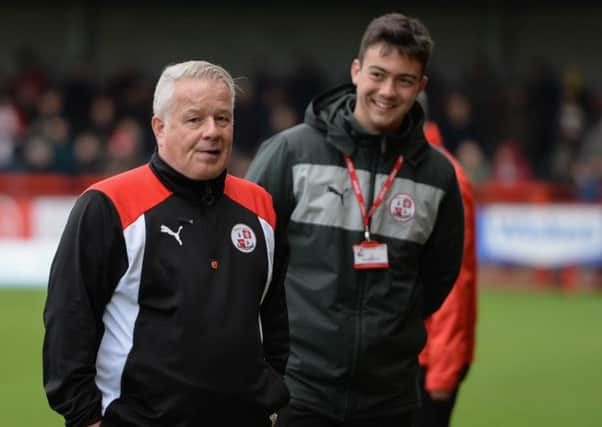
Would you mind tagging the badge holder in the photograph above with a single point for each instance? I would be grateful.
(370, 255)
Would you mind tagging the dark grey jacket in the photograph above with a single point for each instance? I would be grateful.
(356, 335)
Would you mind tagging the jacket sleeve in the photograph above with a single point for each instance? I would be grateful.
(87, 265)
(270, 170)
(451, 329)
(442, 256)
(274, 320)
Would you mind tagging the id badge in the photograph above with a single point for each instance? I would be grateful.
(370, 255)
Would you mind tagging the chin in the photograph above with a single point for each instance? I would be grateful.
(382, 127)
(212, 174)
(387, 126)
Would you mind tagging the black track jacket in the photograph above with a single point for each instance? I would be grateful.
(165, 306)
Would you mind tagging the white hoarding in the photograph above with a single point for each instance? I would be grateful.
(551, 235)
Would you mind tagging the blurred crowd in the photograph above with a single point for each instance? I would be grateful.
(544, 126)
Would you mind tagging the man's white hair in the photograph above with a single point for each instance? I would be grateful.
(187, 70)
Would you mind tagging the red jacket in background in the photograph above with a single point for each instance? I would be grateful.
(451, 329)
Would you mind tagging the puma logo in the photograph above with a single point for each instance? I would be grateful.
(338, 193)
(175, 234)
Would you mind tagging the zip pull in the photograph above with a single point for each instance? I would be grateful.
(383, 144)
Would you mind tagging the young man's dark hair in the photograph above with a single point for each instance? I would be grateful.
(408, 35)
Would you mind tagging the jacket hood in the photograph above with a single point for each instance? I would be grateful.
(332, 114)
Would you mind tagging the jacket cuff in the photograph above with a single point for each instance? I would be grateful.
(86, 417)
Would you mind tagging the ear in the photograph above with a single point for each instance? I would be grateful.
(423, 81)
(158, 127)
(355, 69)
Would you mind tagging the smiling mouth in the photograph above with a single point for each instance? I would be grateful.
(383, 105)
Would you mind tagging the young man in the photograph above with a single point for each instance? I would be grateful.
(165, 306)
(374, 221)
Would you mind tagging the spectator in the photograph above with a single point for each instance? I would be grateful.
(50, 104)
(509, 165)
(88, 154)
(250, 127)
(481, 83)
(572, 126)
(587, 168)
(10, 129)
(305, 79)
(476, 166)
(134, 94)
(457, 125)
(124, 147)
(79, 87)
(543, 105)
(57, 132)
(38, 155)
(101, 117)
(30, 81)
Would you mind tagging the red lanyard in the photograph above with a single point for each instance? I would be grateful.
(381, 194)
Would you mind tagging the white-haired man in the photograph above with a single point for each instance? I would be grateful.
(165, 306)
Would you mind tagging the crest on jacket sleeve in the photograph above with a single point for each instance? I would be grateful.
(243, 238)
(402, 207)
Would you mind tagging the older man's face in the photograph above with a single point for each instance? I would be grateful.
(195, 136)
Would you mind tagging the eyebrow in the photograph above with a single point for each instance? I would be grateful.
(384, 70)
(196, 110)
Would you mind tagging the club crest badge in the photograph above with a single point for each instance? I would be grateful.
(243, 238)
(402, 207)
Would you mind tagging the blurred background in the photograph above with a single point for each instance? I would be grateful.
(515, 88)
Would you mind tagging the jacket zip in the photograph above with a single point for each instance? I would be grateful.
(208, 211)
(362, 283)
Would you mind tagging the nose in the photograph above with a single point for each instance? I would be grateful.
(210, 128)
(387, 88)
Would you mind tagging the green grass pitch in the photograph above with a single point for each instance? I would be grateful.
(538, 362)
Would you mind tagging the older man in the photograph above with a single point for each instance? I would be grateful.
(164, 305)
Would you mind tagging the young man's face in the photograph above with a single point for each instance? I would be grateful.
(195, 136)
(387, 84)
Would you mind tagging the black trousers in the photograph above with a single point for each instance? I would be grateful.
(292, 416)
(435, 413)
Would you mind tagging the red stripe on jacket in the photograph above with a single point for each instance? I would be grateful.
(252, 197)
(133, 192)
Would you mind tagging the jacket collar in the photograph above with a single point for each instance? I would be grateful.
(332, 114)
(203, 192)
